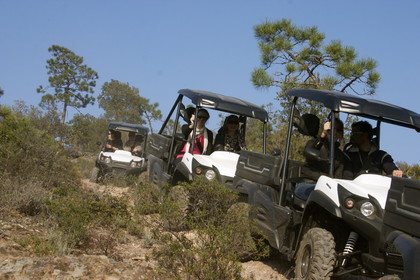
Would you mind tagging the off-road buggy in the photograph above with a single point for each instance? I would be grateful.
(122, 162)
(369, 226)
(163, 146)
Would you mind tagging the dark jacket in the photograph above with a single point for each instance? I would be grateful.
(375, 161)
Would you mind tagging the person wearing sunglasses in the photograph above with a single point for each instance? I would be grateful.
(365, 156)
(203, 136)
(228, 137)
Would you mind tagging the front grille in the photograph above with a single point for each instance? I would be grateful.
(117, 164)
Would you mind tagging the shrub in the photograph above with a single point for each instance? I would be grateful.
(209, 250)
(32, 164)
(77, 211)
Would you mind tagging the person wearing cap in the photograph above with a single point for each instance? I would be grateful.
(365, 156)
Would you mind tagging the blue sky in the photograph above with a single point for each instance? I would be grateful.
(162, 46)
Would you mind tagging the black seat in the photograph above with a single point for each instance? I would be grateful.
(308, 125)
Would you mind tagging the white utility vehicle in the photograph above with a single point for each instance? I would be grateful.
(122, 161)
(164, 146)
(369, 226)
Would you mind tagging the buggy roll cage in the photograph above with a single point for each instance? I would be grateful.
(215, 101)
(123, 126)
(352, 104)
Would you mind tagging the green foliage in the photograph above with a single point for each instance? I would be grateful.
(47, 120)
(110, 211)
(41, 246)
(37, 177)
(293, 57)
(72, 81)
(147, 198)
(411, 171)
(214, 243)
(85, 131)
(75, 210)
(85, 164)
(122, 102)
(72, 215)
(30, 154)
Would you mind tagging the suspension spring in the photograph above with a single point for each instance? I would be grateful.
(351, 243)
(348, 249)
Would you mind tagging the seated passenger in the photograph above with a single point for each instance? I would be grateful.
(365, 156)
(203, 138)
(133, 144)
(229, 138)
(114, 141)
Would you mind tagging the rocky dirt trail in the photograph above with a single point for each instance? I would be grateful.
(130, 258)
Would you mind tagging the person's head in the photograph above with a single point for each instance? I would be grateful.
(361, 131)
(202, 117)
(232, 123)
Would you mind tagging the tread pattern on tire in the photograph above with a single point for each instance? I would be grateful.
(323, 255)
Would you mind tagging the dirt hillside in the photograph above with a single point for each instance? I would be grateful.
(130, 258)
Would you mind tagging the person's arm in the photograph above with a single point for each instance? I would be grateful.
(323, 137)
(219, 139)
(186, 130)
(389, 166)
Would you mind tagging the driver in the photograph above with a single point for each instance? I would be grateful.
(364, 154)
(114, 141)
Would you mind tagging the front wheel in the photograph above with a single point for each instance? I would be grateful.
(316, 255)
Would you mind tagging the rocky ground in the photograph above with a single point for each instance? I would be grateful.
(130, 259)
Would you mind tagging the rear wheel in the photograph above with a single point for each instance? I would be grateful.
(316, 255)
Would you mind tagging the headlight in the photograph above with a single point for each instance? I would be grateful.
(133, 164)
(210, 174)
(367, 209)
(107, 160)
